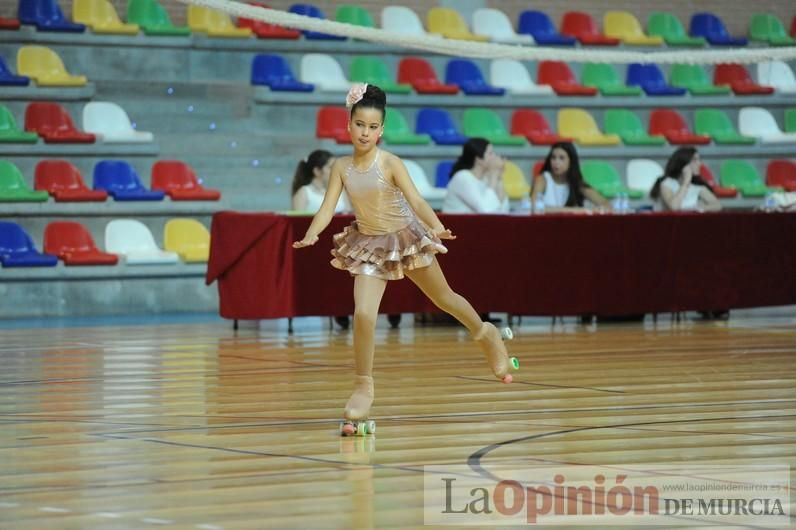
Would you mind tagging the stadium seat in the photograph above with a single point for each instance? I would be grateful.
(485, 123)
(514, 77)
(109, 122)
(439, 125)
(133, 240)
(450, 24)
(188, 238)
(781, 173)
(790, 120)
(538, 25)
(72, 243)
(468, 77)
(101, 17)
(533, 125)
(214, 23)
(53, 123)
(324, 72)
(738, 79)
(603, 177)
(13, 187)
(743, 176)
(17, 248)
(8, 78)
(777, 74)
(10, 133)
(711, 27)
(693, 78)
(332, 123)
(716, 124)
(514, 182)
(759, 123)
(374, 71)
(668, 26)
(793, 26)
(604, 78)
(718, 190)
(178, 180)
(443, 173)
(397, 130)
(641, 174)
(153, 19)
(121, 182)
(421, 182)
(64, 182)
(309, 10)
(670, 124)
(651, 79)
(400, 19)
(9, 24)
(354, 14)
(274, 72)
(625, 124)
(496, 26)
(558, 75)
(768, 28)
(624, 26)
(580, 125)
(264, 30)
(581, 26)
(46, 15)
(45, 67)
(421, 76)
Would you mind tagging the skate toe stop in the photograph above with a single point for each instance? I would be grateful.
(508, 378)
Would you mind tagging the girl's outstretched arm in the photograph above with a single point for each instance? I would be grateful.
(326, 211)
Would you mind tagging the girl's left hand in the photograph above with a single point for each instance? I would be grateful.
(445, 234)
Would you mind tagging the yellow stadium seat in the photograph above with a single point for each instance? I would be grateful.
(188, 238)
(101, 17)
(514, 181)
(45, 67)
(449, 23)
(580, 125)
(214, 23)
(623, 25)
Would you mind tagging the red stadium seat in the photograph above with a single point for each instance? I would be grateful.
(537, 168)
(63, 181)
(739, 80)
(782, 173)
(9, 23)
(421, 75)
(581, 26)
(558, 75)
(332, 123)
(72, 243)
(718, 190)
(264, 30)
(533, 125)
(669, 123)
(179, 182)
(53, 123)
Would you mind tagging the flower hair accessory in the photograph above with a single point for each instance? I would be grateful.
(355, 94)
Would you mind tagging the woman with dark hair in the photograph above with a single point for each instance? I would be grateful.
(560, 184)
(310, 181)
(476, 183)
(681, 187)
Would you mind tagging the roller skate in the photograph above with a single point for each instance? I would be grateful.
(491, 341)
(358, 408)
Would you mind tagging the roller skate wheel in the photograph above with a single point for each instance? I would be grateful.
(515, 363)
(346, 428)
(508, 378)
(362, 428)
(371, 425)
(506, 334)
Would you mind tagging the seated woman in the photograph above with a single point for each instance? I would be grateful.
(310, 181)
(560, 184)
(476, 184)
(681, 188)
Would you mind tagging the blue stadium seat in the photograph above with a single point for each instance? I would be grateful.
(121, 181)
(468, 77)
(17, 249)
(711, 27)
(439, 125)
(309, 10)
(443, 173)
(46, 15)
(539, 25)
(7, 77)
(274, 72)
(651, 79)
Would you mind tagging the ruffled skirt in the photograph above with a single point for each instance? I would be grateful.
(385, 256)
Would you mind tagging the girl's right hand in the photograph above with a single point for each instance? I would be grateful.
(306, 242)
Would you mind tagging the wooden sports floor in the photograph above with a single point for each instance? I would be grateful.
(197, 426)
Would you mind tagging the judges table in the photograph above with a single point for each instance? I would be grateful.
(524, 265)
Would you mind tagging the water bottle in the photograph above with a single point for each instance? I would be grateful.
(538, 207)
(525, 205)
(769, 204)
(625, 202)
(616, 204)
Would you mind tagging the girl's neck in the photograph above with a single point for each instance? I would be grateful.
(363, 159)
(559, 179)
(317, 183)
(478, 171)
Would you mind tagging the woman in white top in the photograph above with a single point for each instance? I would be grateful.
(310, 182)
(476, 184)
(561, 183)
(681, 188)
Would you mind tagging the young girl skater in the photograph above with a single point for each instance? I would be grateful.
(396, 234)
